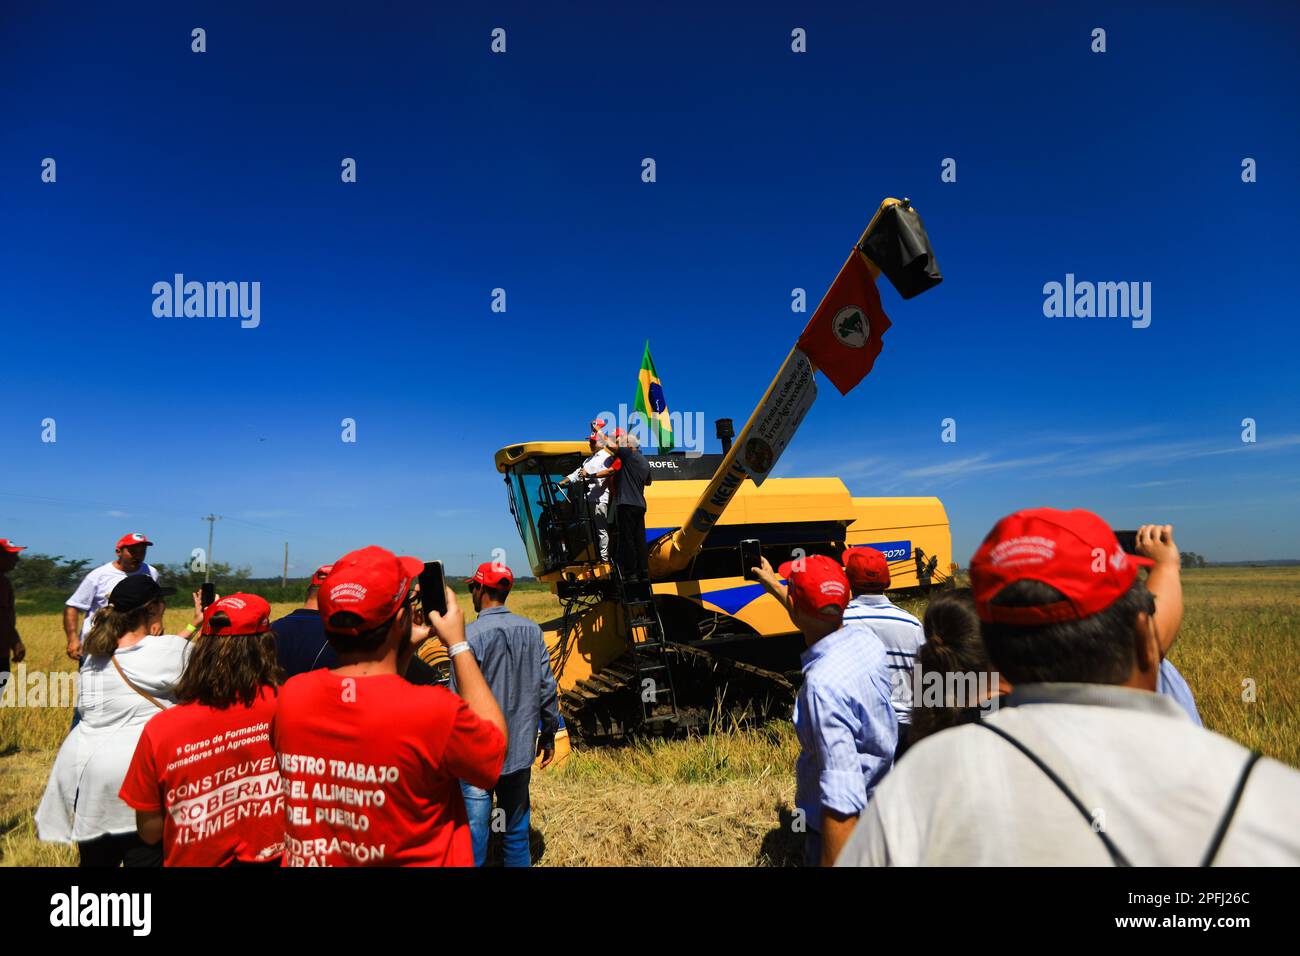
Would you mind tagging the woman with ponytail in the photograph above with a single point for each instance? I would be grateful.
(951, 664)
(221, 804)
(129, 673)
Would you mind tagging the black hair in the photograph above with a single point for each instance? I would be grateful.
(1098, 649)
(496, 594)
(953, 646)
(365, 641)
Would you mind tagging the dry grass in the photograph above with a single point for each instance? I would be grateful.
(720, 800)
(726, 799)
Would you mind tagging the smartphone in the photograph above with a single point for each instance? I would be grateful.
(1128, 541)
(433, 594)
(209, 594)
(751, 556)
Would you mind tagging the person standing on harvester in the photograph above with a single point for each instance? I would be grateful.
(595, 473)
(629, 498)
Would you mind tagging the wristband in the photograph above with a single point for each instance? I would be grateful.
(459, 648)
(191, 629)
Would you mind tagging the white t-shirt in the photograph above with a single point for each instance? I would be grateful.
(1157, 783)
(80, 801)
(902, 635)
(96, 586)
(598, 490)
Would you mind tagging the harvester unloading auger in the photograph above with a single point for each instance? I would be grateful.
(702, 644)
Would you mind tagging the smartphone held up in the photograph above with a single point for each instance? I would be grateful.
(433, 591)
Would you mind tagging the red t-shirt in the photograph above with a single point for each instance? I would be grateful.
(372, 769)
(212, 772)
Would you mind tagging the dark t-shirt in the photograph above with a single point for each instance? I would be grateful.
(632, 478)
(301, 646)
(300, 643)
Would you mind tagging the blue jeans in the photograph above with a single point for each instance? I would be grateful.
(511, 821)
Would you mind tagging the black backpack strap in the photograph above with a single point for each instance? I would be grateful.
(1221, 830)
(1118, 858)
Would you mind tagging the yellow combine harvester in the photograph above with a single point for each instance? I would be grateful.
(702, 642)
(729, 647)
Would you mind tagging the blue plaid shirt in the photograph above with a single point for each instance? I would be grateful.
(846, 724)
(512, 655)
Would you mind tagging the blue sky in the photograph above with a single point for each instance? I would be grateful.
(522, 171)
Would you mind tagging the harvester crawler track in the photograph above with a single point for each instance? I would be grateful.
(711, 690)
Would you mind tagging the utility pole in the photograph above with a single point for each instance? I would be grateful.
(284, 576)
(207, 565)
(472, 565)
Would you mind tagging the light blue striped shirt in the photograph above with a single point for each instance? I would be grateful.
(1174, 686)
(902, 636)
(846, 726)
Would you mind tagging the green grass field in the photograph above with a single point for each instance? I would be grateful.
(726, 799)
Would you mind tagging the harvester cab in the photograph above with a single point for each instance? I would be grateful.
(555, 524)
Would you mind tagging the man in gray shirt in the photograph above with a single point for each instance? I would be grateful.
(512, 654)
(1084, 763)
(629, 500)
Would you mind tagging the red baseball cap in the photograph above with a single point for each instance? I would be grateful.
(371, 582)
(129, 540)
(492, 575)
(866, 568)
(597, 424)
(7, 545)
(318, 577)
(248, 613)
(816, 582)
(1073, 551)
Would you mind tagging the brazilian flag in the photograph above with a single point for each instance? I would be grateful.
(650, 402)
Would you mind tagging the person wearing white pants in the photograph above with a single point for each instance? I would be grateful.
(596, 470)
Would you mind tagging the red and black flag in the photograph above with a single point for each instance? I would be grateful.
(843, 337)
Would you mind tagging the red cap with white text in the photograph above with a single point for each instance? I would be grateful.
(371, 583)
(493, 575)
(1074, 552)
(816, 582)
(246, 613)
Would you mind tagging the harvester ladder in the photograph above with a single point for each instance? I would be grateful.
(645, 636)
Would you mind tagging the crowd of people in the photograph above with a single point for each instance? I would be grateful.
(318, 739)
(1033, 718)
(1041, 719)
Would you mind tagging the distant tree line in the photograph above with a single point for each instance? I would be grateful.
(1192, 560)
(54, 572)
(57, 576)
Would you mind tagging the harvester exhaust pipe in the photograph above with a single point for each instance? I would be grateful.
(726, 432)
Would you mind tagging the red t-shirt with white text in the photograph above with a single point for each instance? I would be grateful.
(372, 769)
(213, 775)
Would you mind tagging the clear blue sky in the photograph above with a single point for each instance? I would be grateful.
(522, 171)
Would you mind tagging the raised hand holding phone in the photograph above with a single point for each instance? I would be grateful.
(435, 596)
(449, 626)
